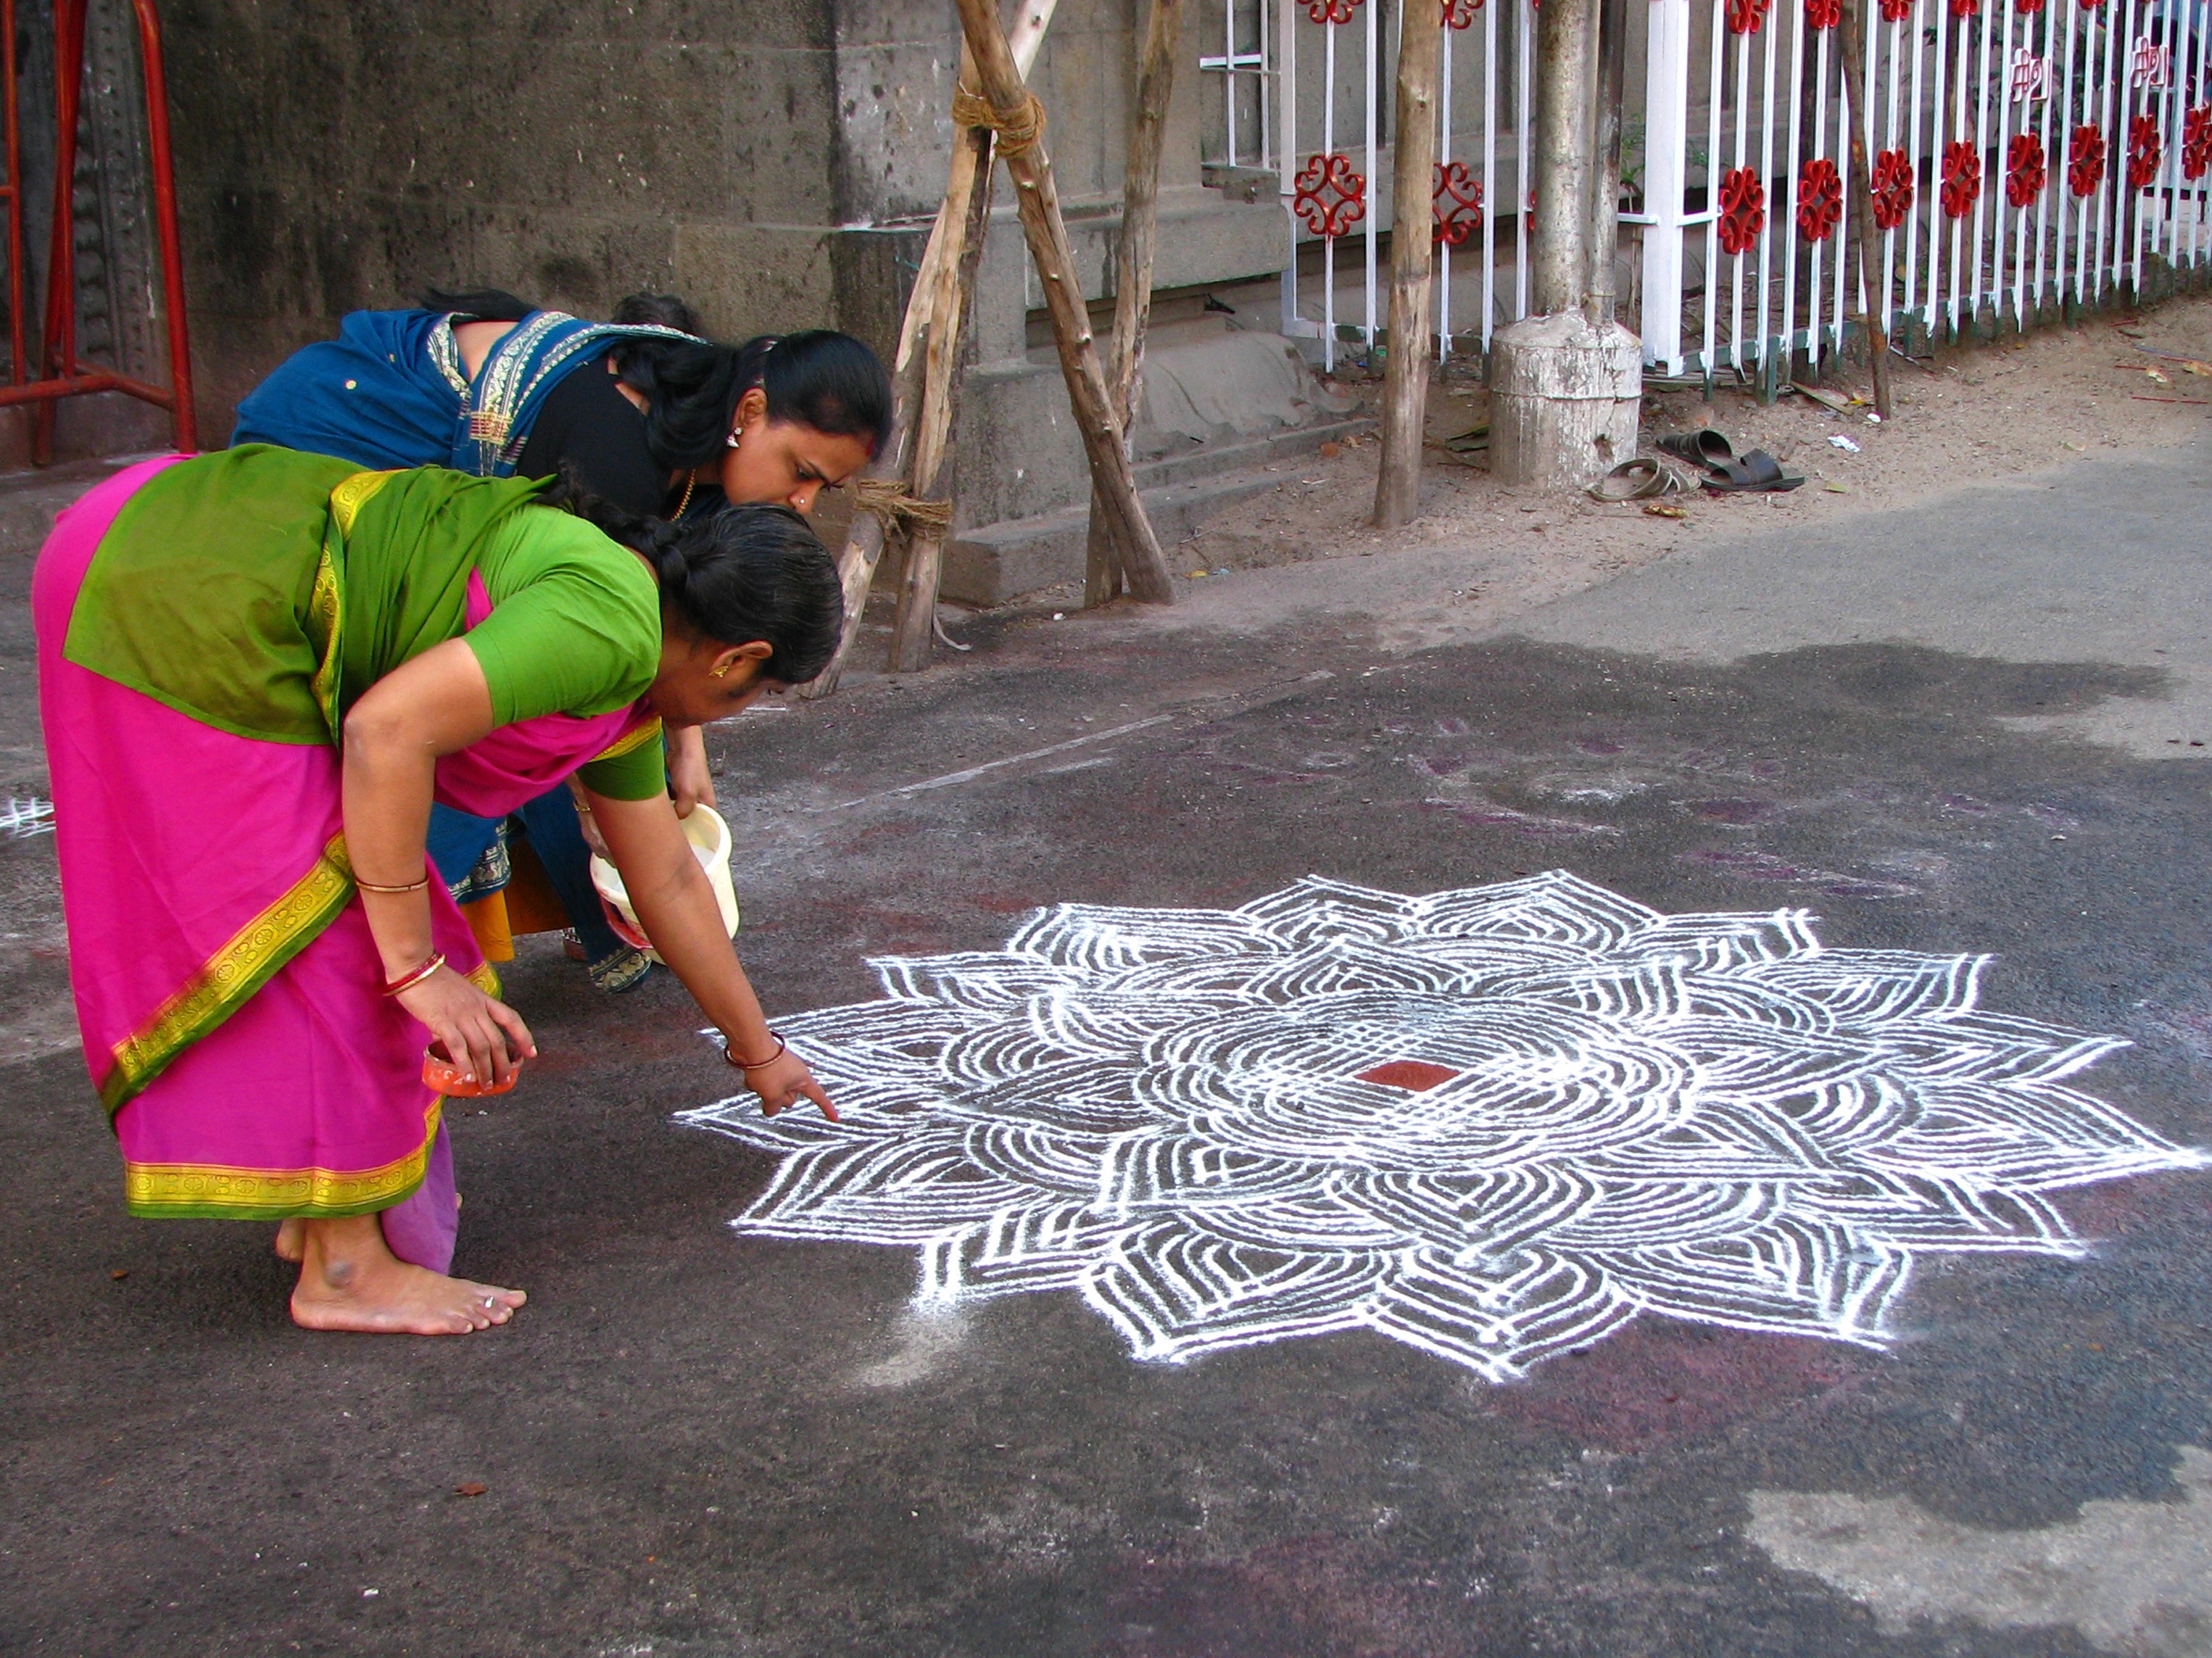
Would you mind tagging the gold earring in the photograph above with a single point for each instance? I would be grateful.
(717, 673)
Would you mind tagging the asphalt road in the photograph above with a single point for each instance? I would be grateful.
(1941, 730)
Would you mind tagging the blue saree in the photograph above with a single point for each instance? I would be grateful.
(390, 391)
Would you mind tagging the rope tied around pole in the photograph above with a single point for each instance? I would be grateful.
(1016, 134)
(903, 515)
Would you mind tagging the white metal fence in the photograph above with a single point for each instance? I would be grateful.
(2027, 155)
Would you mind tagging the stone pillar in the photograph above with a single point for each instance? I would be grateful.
(1566, 385)
(1564, 400)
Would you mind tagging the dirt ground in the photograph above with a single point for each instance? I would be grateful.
(1973, 414)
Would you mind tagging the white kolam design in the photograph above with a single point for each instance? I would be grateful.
(1495, 1123)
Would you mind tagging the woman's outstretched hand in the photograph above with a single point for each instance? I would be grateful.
(783, 1082)
(481, 1033)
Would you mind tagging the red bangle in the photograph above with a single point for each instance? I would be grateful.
(730, 1054)
(407, 981)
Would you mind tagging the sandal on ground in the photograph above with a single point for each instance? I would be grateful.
(1706, 447)
(1636, 480)
(1756, 470)
(623, 970)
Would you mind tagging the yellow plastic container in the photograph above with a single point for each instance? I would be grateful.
(710, 842)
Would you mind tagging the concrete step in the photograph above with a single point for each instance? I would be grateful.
(1000, 561)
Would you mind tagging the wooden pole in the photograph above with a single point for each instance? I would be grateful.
(955, 276)
(1132, 268)
(864, 542)
(1143, 565)
(1413, 259)
(1872, 289)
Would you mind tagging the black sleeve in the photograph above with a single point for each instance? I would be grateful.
(586, 423)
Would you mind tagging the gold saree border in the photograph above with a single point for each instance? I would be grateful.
(326, 602)
(206, 1191)
(630, 741)
(245, 961)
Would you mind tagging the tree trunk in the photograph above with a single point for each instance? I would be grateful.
(1851, 26)
(1413, 259)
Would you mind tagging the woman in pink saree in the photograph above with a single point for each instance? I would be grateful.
(257, 670)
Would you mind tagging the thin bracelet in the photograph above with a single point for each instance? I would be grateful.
(407, 981)
(373, 886)
(730, 1054)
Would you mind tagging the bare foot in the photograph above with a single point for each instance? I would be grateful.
(291, 1239)
(350, 1281)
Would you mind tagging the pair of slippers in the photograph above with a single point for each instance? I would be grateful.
(1726, 471)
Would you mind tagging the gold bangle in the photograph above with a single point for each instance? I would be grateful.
(373, 886)
(730, 1054)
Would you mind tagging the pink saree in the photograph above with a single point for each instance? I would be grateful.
(227, 988)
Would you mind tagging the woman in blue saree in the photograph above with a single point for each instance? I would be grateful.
(640, 411)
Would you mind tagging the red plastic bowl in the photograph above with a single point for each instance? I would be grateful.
(440, 1072)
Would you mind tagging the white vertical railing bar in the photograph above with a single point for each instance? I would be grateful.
(2002, 237)
(2067, 282)
(1375, 179)
(1987, 172)
(1444, 160)
(1765, 186)
(1229, 73)
(2047, 19)
(2194, 90)
(1815, 295)
(1328, 243)
(1714, 90)
(1740, 108)
(1785, 204)
(1286, 89)
(2128, 217)
(1927, 208)
(1489, 169)
(1666, 148)
(2114, 156)
(1524, 17)
(1888, 298)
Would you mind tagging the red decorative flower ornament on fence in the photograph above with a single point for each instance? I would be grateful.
(2027, 8)
(2146, 150)
(1962, 178)
(1896, 11)
(1331, 11)
(1892, 188)
(1823, 14)
(1459, 14)
(2196, 142)
(1743, 208)
(1966, 8)
(2025, 173)
(1329, 196)
(1457, 203)
(1820, 199)
(1744, 17)
(2085, 160)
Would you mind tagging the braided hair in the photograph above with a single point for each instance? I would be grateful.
(819, 378)
(744, 572)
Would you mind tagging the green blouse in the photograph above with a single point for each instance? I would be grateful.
(262, 590)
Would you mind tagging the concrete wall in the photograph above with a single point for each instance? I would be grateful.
(338, 154)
